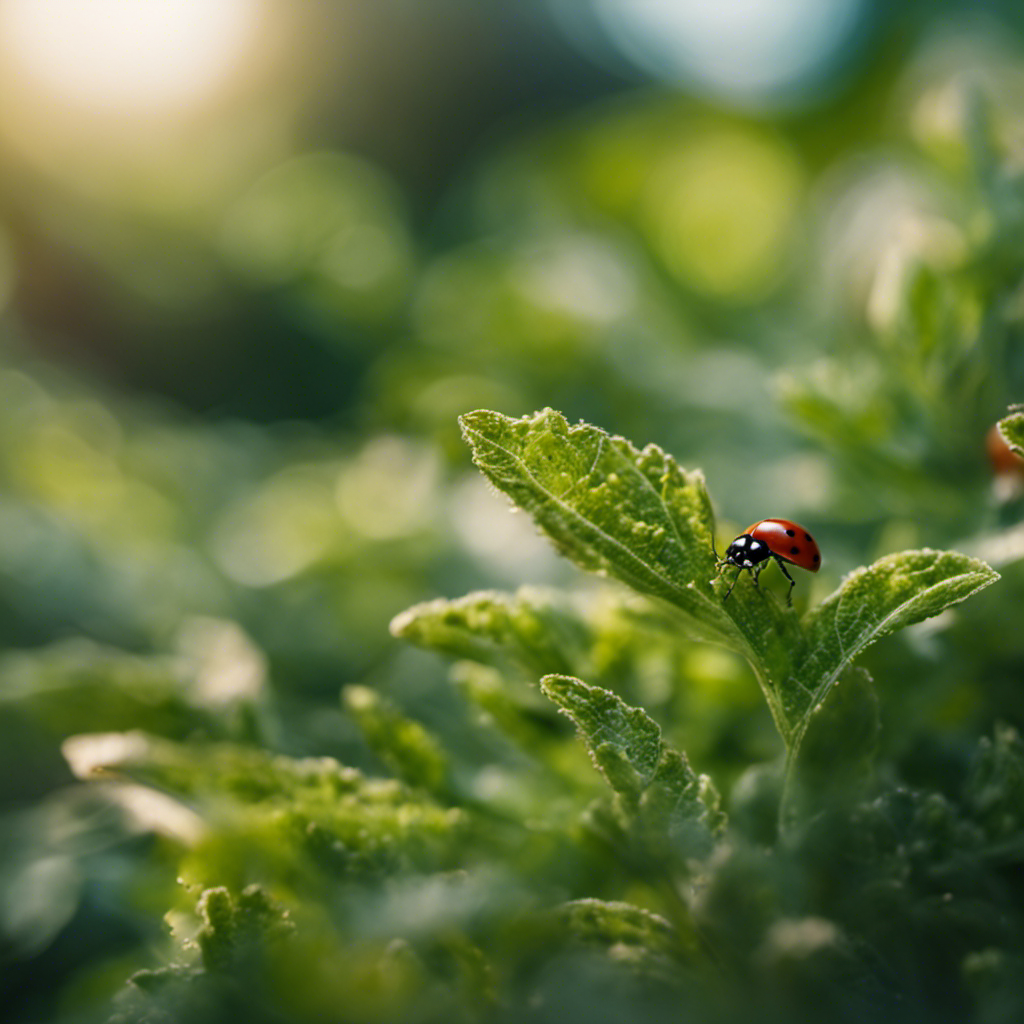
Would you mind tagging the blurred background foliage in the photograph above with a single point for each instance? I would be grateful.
(256, 257)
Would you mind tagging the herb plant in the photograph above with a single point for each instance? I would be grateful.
(591, 789)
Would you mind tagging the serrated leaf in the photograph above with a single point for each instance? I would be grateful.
(624, 742)
(633, 937)
(236, 932)
(640, 518)
(1012, 429)
(634, 515)
(306, 810)
(528, 631)
(655, 782)
(896, 591)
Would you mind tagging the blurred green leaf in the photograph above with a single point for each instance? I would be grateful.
(408, 750)
(653, 780)
(631, 936)
(532, 632)
(239, 929)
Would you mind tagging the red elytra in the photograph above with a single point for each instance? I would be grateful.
(781, 539)
(789, 541)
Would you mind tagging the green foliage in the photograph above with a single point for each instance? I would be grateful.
(559, 797)
(611, 509)
(233, 930)
(655, 783)
(408, 750)
(306, 817)
(640, 518)
(530, 633)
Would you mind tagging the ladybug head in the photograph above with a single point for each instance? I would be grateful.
(746, 551)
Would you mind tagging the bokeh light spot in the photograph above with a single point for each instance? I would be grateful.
(744, 49)
(720, 210)
(389, 490)
(288, 525)
(329, 225)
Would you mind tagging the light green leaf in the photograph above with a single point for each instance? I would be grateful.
(530, 631)
(637, 939)
(625, 743)
(305, 810)
(408, 750)
(634, 515)
(1012, 429)
(655, 782)
(610, 922)
(872, 603)
(638, 517)
(237, 932)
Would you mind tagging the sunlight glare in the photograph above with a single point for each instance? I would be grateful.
(120, 56)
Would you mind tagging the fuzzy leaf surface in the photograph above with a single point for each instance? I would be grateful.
(896, 591)
(528, 631)
(655, 782)
(633, 515)
(1012, 429)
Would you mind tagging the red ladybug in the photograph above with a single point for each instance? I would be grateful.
(781, 539)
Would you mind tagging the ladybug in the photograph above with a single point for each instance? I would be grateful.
(781, 539)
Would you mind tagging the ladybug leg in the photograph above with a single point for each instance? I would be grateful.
(733, 584)
(792, 582)
(754, 573)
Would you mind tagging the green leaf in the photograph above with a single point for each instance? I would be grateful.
(995, 789)
(408, 750)
(837, 754)
(655, 783)
(77, 687)
(610, 922)
(640, 518)
(896, 591)
(531, 632)
(1012, 429)
(310, 813)
(625, 743)
(237, 932)
(634, 515)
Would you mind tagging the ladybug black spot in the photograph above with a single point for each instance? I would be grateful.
(794, 551)
(791, 533)
(817, 558)
(808, 538)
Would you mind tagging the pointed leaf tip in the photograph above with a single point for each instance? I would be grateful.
(634, 515)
